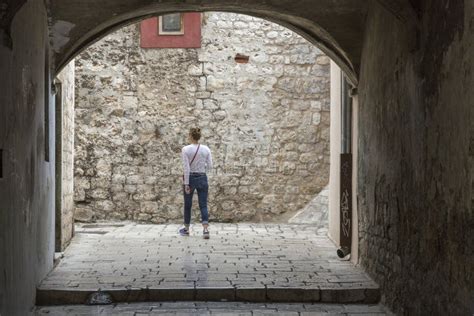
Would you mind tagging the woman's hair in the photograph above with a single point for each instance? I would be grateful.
(195, 133)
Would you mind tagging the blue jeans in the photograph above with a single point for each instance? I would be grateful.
(198, 182)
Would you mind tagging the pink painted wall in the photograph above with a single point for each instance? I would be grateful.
(191, 38)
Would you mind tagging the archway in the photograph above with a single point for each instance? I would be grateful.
(198, 69)
(70, 39)
(340, 36)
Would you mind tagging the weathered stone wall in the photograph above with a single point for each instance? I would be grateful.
(27, 184)
(415, 176)
(65, 154)
(267, 122)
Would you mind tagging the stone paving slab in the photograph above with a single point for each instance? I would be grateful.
(316, 212)
(250, 262)
(213, 308)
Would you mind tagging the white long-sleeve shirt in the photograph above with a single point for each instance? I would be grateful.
(202, 163)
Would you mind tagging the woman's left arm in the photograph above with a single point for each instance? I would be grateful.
(186, 167)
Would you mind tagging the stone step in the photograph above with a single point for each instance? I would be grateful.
(269, 294)
(215, 308)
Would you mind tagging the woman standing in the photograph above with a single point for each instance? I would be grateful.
(197, 160)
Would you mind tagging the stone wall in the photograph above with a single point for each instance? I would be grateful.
(65, 157)
(415, 176)
(266, 121)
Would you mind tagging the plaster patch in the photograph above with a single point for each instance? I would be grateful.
(61, 30)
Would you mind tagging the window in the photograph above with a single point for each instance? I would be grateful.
(171, 24)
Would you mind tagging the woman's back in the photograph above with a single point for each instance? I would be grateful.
(201, 163)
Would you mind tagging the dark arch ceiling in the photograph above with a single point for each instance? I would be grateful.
(335, 26)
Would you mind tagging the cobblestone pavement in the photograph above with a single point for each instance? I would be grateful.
(242, 262)
(214, 308)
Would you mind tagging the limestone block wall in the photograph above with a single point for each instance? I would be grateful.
(266, 121)
(65, 154)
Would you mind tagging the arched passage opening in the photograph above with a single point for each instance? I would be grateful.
(336, 28)
(71, 36)
(302, 144)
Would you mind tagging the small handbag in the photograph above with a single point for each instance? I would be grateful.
(197, 150)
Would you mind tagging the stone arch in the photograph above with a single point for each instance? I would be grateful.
(69, 38)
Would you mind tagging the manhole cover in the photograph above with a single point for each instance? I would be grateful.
(99, 298)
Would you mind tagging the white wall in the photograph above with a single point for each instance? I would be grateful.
(65, 220)
(335, 137)
(334, 177)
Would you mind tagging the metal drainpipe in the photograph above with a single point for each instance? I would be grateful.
(345, 171)
(346, 117)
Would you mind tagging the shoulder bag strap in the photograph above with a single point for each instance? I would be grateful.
(194, 155)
